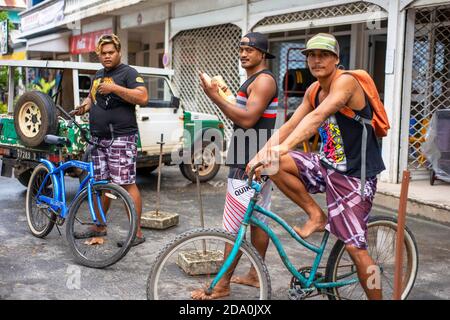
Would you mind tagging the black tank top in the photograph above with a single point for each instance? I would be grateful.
(245, 143)
(341, 144)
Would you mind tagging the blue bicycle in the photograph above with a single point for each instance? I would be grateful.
(195, 260)
(101, 218)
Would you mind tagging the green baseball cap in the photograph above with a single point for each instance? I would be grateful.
(322, 41)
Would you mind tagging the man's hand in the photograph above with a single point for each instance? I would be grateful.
(270, 158)
(106, 88)
(211, 89)
(81, 109)
(253, 163)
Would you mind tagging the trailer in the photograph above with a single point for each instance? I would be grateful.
(188, 136)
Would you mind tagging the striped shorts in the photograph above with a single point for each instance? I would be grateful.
(116, 163)
(237, 200)
(348, 213)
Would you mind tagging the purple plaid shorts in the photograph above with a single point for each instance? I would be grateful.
(118, 162)
(348, 213)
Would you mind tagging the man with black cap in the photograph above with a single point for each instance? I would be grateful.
(254, 115)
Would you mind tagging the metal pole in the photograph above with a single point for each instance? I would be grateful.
(400, 236)
(11, 89)
(199, 194)
(161, 143)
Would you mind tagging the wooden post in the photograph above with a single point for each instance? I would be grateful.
(400, 240)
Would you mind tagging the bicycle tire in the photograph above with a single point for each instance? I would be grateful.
(410, 248)
(79, 257)
(200, 235)
(35, 181)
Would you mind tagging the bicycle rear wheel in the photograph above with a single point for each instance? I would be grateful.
(192, 260)
(121, 226)
(40, 218)
(382, 235)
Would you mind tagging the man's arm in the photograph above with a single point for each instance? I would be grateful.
(287, 128)
(263, 90)
(138, 95)
(341, 91)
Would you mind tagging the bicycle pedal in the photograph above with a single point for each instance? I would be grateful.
(293, 295)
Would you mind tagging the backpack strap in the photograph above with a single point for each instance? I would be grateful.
(363, 122)
(314, 90)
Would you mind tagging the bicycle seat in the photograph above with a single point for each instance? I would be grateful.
(56, 140)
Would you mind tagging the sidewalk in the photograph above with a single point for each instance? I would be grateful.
(424, 200)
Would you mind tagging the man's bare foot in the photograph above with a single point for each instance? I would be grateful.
(248, 280)
(310, 227)
(218, 292)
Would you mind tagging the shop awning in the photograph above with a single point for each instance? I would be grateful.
(58, 42)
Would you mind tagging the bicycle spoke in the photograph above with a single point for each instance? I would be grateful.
(381, 240)
(172, 280)
(103, 250)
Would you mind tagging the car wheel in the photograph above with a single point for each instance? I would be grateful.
(208, 168)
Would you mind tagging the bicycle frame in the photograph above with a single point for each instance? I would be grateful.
(58, 202)
(249, 218)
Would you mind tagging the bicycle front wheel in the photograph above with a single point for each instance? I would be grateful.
(119, 229)
(192, 260)
(40, 217)
(382, 233)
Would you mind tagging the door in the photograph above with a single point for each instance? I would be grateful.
(159, 117)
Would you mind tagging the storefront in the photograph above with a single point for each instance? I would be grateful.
(144, 32)
(360, 27)
(426, 80)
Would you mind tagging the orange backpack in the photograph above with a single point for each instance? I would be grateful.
(380, 122)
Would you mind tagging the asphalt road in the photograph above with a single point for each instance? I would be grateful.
(32, 268)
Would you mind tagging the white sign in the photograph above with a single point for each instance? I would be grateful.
(51, 14)
(4, 37)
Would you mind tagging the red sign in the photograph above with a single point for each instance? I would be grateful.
(86, 42)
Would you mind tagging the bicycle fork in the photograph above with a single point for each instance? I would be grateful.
(99, 206)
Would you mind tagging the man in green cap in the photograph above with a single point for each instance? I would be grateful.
(337, 169)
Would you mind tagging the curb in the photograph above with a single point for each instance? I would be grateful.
(428, 211)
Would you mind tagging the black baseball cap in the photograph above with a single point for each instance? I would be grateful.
(258, 41)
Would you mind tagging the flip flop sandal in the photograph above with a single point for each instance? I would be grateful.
(135, 242)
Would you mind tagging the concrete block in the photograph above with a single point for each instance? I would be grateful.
(196, 263)
(162, 220)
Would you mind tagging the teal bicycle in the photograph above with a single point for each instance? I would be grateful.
(195, 260)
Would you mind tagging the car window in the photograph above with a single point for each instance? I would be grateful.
(158, 90)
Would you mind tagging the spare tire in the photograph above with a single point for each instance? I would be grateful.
(34, 118)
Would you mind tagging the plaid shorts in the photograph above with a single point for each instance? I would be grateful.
(348, 213)
(117, 162)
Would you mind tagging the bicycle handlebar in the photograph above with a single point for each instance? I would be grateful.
(252, 172)
(83, 131)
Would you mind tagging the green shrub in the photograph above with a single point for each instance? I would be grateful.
(3, 108)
